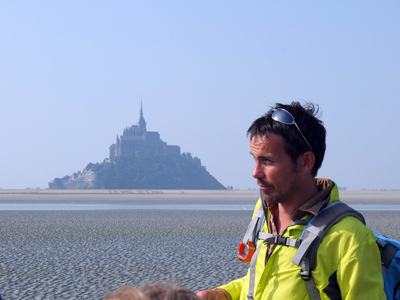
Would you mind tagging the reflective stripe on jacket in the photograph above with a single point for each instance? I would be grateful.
(348, 266)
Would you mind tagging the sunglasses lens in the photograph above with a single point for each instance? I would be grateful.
(283, 117)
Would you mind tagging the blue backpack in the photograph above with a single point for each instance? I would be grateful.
(306, 254)
(390, 255)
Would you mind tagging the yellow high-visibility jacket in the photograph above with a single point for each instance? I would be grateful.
(348, 266)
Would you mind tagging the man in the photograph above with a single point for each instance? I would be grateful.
(288, 146)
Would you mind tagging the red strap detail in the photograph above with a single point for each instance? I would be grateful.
(242, 255)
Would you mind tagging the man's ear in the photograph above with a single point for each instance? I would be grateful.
(306, 162)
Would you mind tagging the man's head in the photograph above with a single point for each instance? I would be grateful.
(308, 135)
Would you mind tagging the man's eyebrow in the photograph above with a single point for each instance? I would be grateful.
(252, 154)
(262, 156)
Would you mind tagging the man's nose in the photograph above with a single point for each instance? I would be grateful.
(258, 171)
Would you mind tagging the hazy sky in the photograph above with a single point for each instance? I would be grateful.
(72, 74)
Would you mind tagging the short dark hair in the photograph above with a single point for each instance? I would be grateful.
(306, 117)
(159, 292)
(152, 292)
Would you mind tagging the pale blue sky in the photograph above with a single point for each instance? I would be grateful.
(72, 74)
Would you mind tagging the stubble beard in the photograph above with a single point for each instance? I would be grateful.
(285, 195)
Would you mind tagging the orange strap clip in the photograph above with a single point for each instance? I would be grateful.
(242, 255)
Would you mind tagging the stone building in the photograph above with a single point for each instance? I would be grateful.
(135, 140)
(138, 141)
(79, 180)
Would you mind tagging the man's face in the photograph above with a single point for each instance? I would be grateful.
(274, 170)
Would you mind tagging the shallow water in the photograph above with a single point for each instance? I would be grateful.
(75, 206)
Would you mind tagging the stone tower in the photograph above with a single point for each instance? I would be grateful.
(136, 140)
(141, 123)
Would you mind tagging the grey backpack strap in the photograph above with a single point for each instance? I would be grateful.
(310, 283)
(251, 232)
(306, 255)
(255, 234)
(318, 226)
(250, 295)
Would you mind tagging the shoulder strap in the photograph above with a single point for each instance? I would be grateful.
(251, 232)
(306, 255)
(317, 228)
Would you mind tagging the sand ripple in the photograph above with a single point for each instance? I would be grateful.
(83, 254)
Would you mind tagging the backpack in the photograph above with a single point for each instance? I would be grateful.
(307, 245)
(390, 256)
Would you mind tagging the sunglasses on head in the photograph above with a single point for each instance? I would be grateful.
(283, 116)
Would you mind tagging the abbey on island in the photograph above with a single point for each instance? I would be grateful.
(135, 140)
(138, 141)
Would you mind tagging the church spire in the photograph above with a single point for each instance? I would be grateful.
(142, 123)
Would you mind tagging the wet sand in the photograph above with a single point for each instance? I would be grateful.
(173, 196)
(83, 254)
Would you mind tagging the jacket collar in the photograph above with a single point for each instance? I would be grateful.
(319, 201)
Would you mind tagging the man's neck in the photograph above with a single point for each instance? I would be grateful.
(283, 213)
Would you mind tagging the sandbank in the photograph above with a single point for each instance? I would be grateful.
(176, 196)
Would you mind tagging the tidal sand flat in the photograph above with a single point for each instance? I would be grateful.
(71, 254)
(83, 254)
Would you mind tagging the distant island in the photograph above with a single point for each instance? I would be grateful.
(141, 160)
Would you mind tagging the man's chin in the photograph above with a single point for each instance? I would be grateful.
(270, 198)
